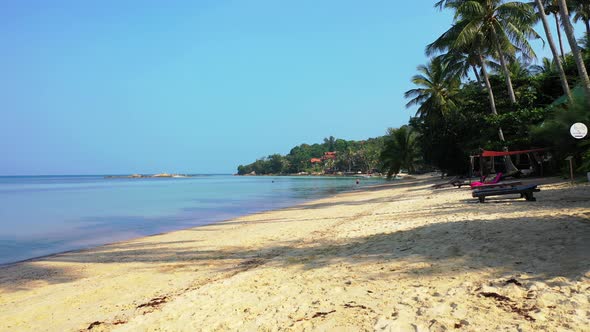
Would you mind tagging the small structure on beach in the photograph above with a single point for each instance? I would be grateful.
(535, 161)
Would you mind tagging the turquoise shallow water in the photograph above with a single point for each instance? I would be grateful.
(42, 215)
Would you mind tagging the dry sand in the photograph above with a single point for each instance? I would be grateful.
(400, 257)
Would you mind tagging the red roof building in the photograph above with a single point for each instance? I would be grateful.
(329, 155)
(326, 156)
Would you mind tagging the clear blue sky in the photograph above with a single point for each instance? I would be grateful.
(112, 87)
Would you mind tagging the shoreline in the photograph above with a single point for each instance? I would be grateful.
(32, 259)
(391, 256)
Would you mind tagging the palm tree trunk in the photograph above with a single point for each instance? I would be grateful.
(556, 59)
(504, 68)
(569, 31)
(486, 78)
(559, 36)
(476, 74)
(507, 161)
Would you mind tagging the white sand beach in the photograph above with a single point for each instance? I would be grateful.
(398, 257)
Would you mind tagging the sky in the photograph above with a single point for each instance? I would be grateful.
(139, 86)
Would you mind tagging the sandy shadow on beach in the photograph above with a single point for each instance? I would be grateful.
(543, 247)
(355, 202)
(557, 247)
(575, 197)
(33, 274)
(408, 185)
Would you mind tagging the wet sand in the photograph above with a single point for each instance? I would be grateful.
(399, 257)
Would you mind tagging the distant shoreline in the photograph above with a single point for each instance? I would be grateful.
(317, 174)
(166, 175)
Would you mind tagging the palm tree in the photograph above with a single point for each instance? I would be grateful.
(400, 151)
(329, 142)
(438, 89)
(556, 58)
(552, 7)
(547, 66)
(506, 27)
(489, 27)
(582, 13)
(569, 31)
(458, 60)
(476, 51)
(460, 63)
(447, 42)
(348, 156)
(486, 78)
(518, 69)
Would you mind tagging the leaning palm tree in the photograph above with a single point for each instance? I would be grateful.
(447, 42)
(437, 92)
(551, 7)
(569, 31)
(556, 58)
(505, 27)
(475, 28)
(400, 151)
(459, 60)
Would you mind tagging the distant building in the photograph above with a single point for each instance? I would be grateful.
(326, 156)
(329, 155)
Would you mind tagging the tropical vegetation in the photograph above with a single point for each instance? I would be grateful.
(486, 54)
(483, 88)
(350, 157)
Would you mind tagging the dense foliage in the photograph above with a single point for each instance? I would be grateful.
(508, 102)
(351, 156)
(399, 151)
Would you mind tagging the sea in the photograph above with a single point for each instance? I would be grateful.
(44, 215)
